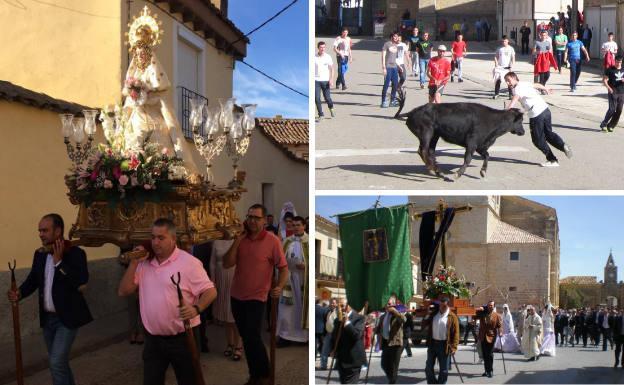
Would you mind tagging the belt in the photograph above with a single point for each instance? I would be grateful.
(438, 341)
(169, 337)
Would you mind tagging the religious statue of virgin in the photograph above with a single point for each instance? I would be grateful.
(149, 116)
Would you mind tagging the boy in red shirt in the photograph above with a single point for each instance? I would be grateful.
(459, 51)
(439, 72)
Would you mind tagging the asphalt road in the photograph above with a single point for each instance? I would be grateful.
(576, 365)
(364, 148)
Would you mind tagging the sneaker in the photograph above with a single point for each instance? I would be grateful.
(422, 85)
(332, 113)
(495, 96)
(572, 90)
(460, 80)
(568, 153)
(452, 79)
(603, 128)
(394, 103)
(318, 118)
(344, 87)
(610, 129)
(384, 104)
(550, 163)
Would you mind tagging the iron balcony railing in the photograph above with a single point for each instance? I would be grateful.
(186, 96)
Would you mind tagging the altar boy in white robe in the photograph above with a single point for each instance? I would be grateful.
(292, 314)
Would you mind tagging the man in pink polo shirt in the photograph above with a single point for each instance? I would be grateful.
(255, 253)
(161, 314)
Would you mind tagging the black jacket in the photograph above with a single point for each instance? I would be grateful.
(617, 330)
(350, 351)
(69, 275)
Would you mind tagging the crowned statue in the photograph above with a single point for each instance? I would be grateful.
(148, 116)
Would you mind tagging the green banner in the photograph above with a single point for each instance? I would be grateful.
(381, 236)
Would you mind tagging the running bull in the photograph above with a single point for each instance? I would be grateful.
(470, 125)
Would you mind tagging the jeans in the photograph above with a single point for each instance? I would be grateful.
(459, 64)
(575, 72)
(58, 340)
(392, 75)
(437, 350)
(525, 47)
(559, 54)
(160, 351)
(407, 347)
(423, 70)
(606, 335)
(326, 350)
(415, 63)
(612, 117)
(248, 317)
(343, 66)
(542, 135)
(324, 88)
(402, 74)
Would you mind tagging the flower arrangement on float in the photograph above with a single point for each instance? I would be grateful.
(446, 282)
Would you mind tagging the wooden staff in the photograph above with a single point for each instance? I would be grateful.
(274, 302)
(457, 367)
(19, 371)
(190, 339)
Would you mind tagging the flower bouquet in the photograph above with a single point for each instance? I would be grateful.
(136, 90)
(123, 177)
(446, 282)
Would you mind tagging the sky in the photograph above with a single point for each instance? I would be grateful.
(588, 227)
(279, 49)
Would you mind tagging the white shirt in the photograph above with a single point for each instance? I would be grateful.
(605, 321)
(401, 49)
(343, 45)
(609, 46)
(439, 325)
(504, 55)
(48, 279)
(322, 64)
(530, 99)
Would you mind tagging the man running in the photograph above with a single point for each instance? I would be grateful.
(439, 72)
(424, 48)
(539, 118)
(323, 73)
(413, 42)
(614, 82)
(459, 52)
(561, 40)
(342, 47)
(401, 60)
(504, 59)
(573, 56)
(390, 70)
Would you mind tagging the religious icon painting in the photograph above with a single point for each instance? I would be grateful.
(375, 245)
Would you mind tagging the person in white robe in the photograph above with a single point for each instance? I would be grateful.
(532, 334)
(548, 319)
(508, 342)
(283, 231)
(292, 317)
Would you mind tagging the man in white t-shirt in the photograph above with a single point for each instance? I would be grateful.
(323, 73)
(539, 118)
(342, 47)
(610, 48)
(401, 59)
(504, 59)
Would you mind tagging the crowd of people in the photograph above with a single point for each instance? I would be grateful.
(228, 282)
(528, 331)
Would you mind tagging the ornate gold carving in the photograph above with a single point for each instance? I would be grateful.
(95, 216)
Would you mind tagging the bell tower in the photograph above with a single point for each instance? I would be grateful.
(610, 272)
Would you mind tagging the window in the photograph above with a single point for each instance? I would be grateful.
(514, 256)
(513, 288)
(330, 244)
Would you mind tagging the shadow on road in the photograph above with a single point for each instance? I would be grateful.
(598, 375)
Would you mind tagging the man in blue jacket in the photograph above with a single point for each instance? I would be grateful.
(60, 273)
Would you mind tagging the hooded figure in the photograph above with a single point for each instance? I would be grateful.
(508, 342)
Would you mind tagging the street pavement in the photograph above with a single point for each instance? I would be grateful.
(121, 364)
(363, 147)
(576, 365)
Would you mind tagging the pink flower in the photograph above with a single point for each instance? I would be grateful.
(123, 180)
(165, 150)
(147, 186)
(108, 183)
